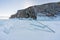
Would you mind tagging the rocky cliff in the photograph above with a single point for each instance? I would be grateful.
(49, 9)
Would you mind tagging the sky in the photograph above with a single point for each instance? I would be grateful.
(9, 7)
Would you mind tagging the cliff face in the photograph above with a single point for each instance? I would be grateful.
(49, 9)
(25, 13)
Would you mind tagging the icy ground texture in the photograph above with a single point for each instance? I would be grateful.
(45, 18)
(15, 29)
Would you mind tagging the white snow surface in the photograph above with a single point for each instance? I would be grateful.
(15, 29)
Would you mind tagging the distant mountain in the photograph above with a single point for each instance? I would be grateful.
(49, 9)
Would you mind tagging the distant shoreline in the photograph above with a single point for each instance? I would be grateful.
(4, 17)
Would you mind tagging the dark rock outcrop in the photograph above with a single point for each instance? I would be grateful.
(49, 9)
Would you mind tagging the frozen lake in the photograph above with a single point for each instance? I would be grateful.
(15, 29)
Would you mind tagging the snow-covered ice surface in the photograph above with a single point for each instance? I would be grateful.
(45, 18)
(16, 29)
